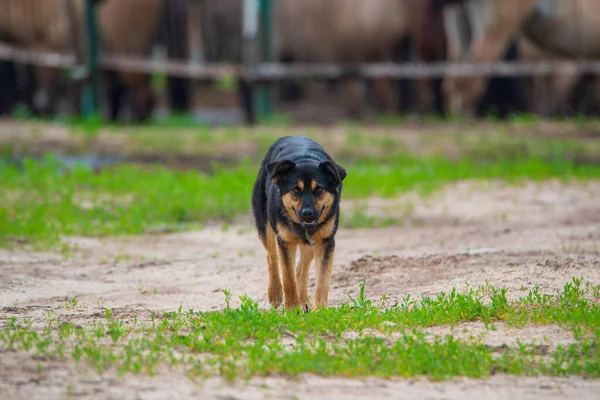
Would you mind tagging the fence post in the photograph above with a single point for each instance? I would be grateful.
(90, 93)
(249, 53)
(266, 50)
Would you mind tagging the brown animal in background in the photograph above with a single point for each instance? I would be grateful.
(565, 28)
(345, 32)
(560, 28)
(332, 31)
(568, 30)
(38, 26)
(502, 95)
(125, 26)
(493, 23)
(430, 46)
(129, 27)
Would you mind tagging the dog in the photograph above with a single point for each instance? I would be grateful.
(295, 203)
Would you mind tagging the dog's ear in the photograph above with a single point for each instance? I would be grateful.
(277, 169)
(336, 172)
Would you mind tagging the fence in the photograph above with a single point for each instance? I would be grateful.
(257, 66)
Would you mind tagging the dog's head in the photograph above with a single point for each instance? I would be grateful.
(308, 190)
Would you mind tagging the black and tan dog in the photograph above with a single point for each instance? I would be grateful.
(295, 203)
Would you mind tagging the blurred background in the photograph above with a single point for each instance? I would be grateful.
(315, 61)
(470, 135)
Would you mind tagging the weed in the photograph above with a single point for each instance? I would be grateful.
(247, 341)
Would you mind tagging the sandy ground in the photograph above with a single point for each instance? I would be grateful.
(470, 233)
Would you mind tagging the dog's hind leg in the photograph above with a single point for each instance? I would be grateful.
(307, 253)
(324, 265)
(274, 292)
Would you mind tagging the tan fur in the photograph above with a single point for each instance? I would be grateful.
(307, 253)
(274, 291)
(296, 294)
(291, 205)
(286, 268)
(287, 235)
(323, 277)
(323, 204)
(324, 233)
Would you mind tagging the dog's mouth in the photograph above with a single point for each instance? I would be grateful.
(309, 224)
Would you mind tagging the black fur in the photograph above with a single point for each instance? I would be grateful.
(289, 159)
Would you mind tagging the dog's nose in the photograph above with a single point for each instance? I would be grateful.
(307, 214)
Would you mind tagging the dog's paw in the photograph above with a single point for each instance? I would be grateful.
(305, 306)
(275, 294)
(299, 306)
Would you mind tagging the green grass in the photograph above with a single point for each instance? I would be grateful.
(43, 201)
(181, 135)
(246, 341)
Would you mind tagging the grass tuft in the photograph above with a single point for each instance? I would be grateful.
(247, 341)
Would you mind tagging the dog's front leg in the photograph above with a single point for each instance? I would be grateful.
(325, 253)
(307, 253)
(286, 253)
(275, 292)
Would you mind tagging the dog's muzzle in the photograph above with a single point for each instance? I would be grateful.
(308, 218)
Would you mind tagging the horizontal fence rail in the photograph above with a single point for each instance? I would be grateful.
(275, 71)
(38, 58)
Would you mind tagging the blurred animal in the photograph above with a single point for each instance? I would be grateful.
(467, 23)
(347, 32)
(295, 202)
(556, 27)
(125, 26)
(28, 23)
(429, 40)
(561, 93)
(17, 83)
(174, 34)
(568, 30)
(221, 30)
(8, 92)
(334, 31)
(565, 28)
(130, 27)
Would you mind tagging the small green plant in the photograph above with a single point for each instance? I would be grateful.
(362, 301)
(247, 341)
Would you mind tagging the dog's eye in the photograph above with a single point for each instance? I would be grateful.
(318, 190)
(296, 190)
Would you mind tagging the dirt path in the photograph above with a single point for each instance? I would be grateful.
(514, 237)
